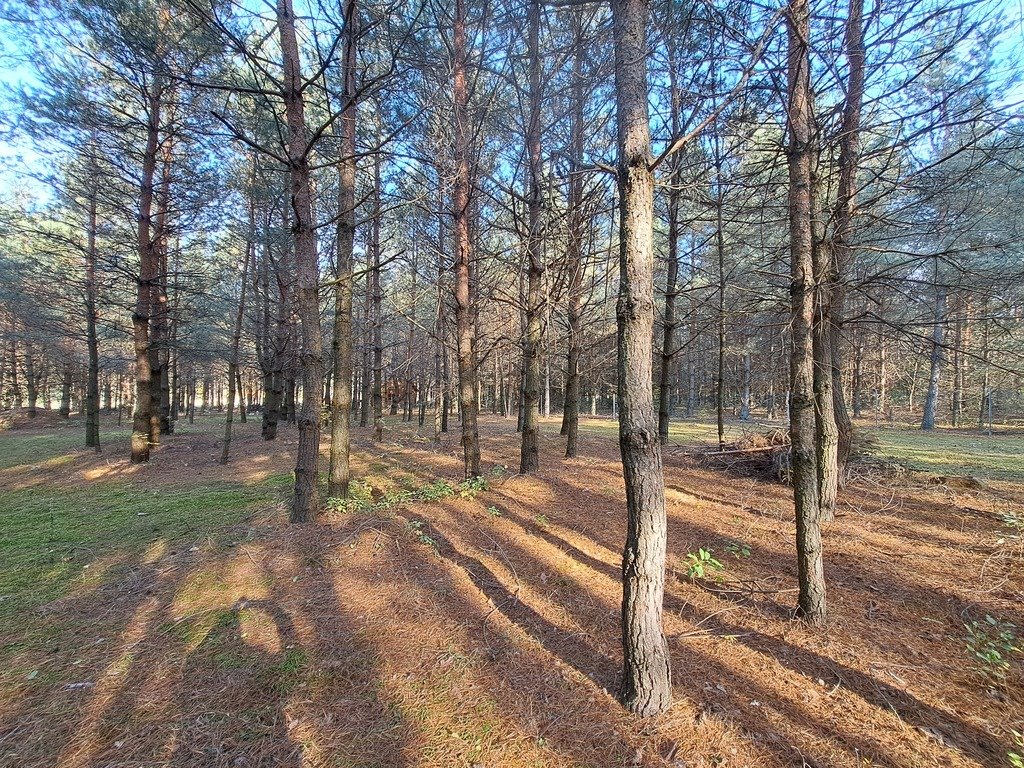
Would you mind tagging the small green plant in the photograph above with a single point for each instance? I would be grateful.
(416, 528)
(468, 489)
(738, 549)
(1016, 757)
(360, 498)
(435, 491)
(493, 511)
(542, 520)
(699, 564)
(992, 643)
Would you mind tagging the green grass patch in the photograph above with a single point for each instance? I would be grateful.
(283, 676)
(18, 449)
(951, 452)
(50, 538)
(680, 431)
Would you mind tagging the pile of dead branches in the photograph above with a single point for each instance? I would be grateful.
(761, 454)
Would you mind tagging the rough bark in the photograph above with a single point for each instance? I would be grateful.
(146, 245)
(465, 320)
(810, 568)
(846, 207)
(646, 676)
(311, 364)
(529, 459)
(341, 401)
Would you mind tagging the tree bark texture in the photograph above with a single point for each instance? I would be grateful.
(646, 676)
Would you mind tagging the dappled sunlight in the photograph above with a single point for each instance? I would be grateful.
(103, 691)
(258, 629)
(484, 628)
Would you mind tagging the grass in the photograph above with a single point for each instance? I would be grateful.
(50, 539)
(681, 431)
(951, 452)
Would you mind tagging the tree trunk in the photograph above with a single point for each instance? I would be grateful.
(720, 250)
(931, 401)
(92, 388)
(745, 376)
(668, 339)
(159, 346)
(236, 335)
(529, 459)
(376, 297)
(810, 568)
(304, 507)
(67, 379)
(141, 431)
(646, 676)
(465, 311)
(846, 207)
(341, 402)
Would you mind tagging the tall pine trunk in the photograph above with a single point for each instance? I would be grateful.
(311, 364)
(810, 568)
(465, 311)
(529, 459)
(148, 266)
(341, 401)
(646, 675)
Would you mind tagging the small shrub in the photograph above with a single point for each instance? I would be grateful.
(738, 549)
(699, 564)
(992, 643)
(360, 498)
(468, 489)
(494, 511)
(1016, 757)
(415, 527)
(435, 491)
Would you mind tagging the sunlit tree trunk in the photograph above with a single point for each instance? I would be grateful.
(529, 459)
(465, 311)
(148, 266)
(311, 364)
(341, 401)
(811, 600)
(646, 675)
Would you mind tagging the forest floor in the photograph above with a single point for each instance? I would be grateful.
(167, 614)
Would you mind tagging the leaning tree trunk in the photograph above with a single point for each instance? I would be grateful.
(311, 364)
(465, 311)
(646, 675)
(341, 402)
(810, 568)
(529, 459)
